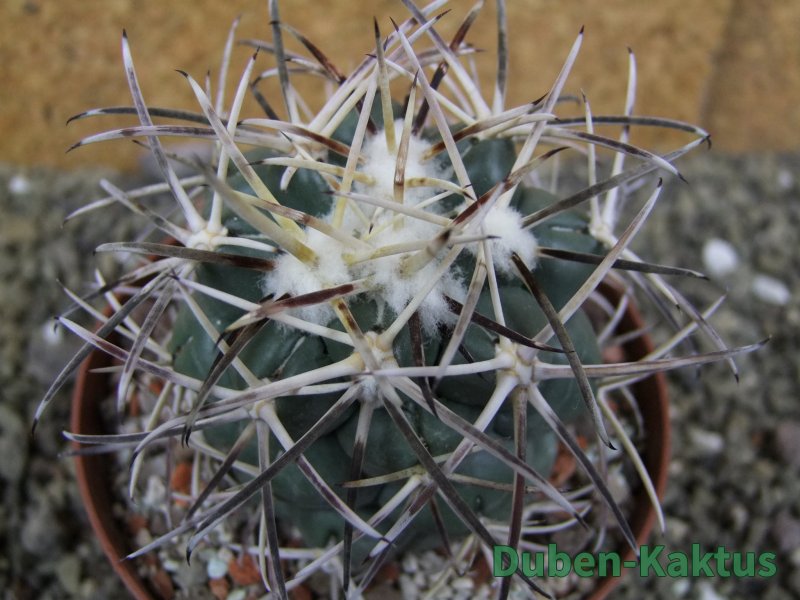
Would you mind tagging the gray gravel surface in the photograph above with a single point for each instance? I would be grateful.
(735, 477)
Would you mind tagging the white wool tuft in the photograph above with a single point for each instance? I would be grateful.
(290, 276)
(390, 286)
(380, 164)
(396, 289)
(505, 224)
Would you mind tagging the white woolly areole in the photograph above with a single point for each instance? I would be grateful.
(394, 289)
(380, 164)
(293, 277)
(390, 284)
(505, 224)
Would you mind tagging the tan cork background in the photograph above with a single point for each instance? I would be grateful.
(731, 66)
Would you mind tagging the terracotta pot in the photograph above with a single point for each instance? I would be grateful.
(652, 399)
(95, 477)
(94, 474)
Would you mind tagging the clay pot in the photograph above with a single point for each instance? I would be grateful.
(94, 474)
(652, 399)
(95, 477)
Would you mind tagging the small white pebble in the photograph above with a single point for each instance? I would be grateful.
(771, 290)
(216, 568)
(463, 583)
(421, 579)
(708, 442)
(225, 554)
(445, 593)
(708, 593)
(739, 516)
(482, 593)
(239, 594)
(618, 485)
(410, 563)
(143, 537)
(19, 184)
(52, 334)
(408, 588)
(225, 537)
(171, 565)
(67, 570)
(785, 179)
(677, 529)
(434, 563)
(720, 258)
(680, 587)
(155, 493)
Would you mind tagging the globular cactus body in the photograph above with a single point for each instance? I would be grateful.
(278, 352)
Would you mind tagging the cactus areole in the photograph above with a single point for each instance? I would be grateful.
(372, 329)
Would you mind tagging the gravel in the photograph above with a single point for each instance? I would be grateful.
(735, 475)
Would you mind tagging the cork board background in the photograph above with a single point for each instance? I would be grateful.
(731, 66)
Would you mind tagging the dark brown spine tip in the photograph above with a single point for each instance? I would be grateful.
(71, 148)
(187, 433)
(184, 73)
(124, 34)
(554, 151)
(582, 28)
(396, 28)
(630, 50)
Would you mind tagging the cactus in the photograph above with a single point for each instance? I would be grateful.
(372, 320)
